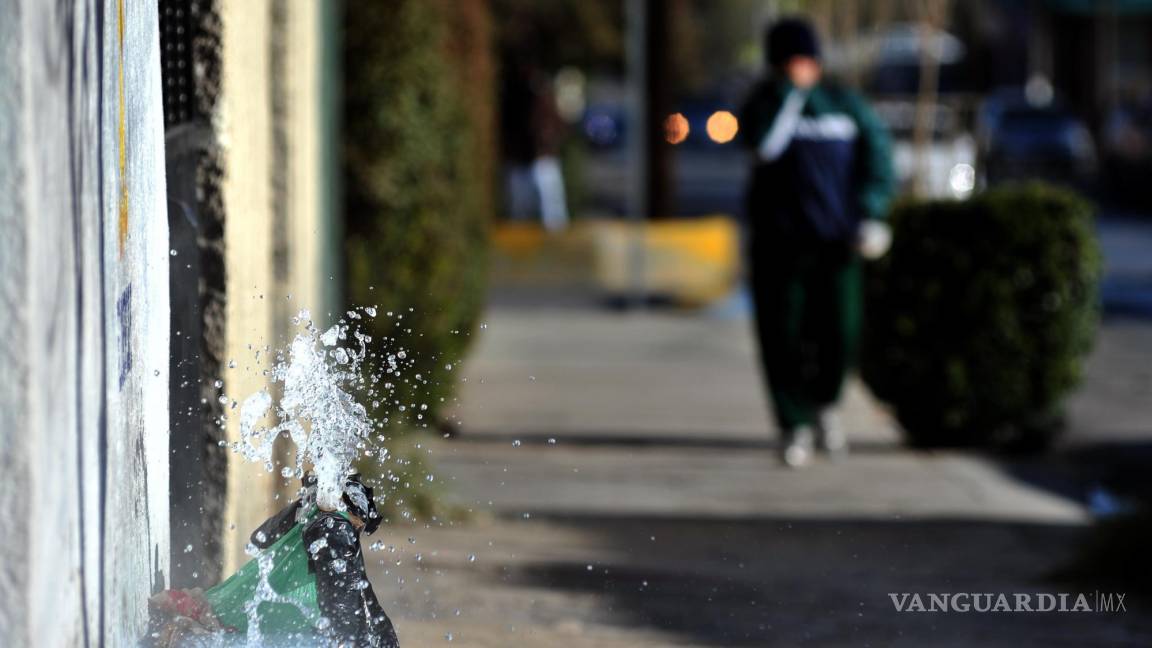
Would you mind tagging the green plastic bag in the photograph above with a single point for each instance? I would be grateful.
(293, 612)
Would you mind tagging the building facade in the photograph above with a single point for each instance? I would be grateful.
(168, 185)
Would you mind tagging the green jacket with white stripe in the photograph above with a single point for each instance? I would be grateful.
(823, 162)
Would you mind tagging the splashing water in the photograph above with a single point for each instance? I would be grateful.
(319, 374)
(318, 410)
(321, 378)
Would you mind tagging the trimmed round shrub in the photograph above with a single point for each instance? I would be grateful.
(980, 316)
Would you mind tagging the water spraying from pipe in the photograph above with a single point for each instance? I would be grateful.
(318, 409)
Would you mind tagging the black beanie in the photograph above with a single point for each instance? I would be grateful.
(790, 37)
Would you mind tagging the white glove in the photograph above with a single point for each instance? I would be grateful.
(873, 239)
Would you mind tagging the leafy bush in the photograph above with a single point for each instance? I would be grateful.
(979, 318)
(415, 166)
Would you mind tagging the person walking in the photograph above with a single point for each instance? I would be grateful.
(532, 130)
(819, 191)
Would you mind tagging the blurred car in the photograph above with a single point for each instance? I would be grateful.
(892, 57)
(1024, 139)
(709, 168)
(1126, 152)
(946, 167)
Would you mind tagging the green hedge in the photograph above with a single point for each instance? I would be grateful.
(979, 318)
(416, 200)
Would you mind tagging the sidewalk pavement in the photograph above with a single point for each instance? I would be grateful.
(625, 492)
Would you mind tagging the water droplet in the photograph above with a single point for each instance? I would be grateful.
(551, 441)
(218, 384)
(471, 558)
(188, 549)
(516, 443)
(172, 252)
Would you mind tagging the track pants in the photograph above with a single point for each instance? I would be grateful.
(808, 317)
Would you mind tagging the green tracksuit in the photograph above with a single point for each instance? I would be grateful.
(823, 164)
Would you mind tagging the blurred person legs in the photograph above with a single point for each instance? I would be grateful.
(831, 437)
(807, 320)
(521, 186)
(549, 183)
(797, 445)
(531, 129)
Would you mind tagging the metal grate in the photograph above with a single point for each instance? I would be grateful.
(176, 61)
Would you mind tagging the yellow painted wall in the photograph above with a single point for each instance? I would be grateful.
(245, 136)
(305, 218)
(258, 304)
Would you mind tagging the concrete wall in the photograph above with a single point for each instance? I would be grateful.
(84, 301)
(84, 289)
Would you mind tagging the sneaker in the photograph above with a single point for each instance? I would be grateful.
(797, 446)
(831, 438)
